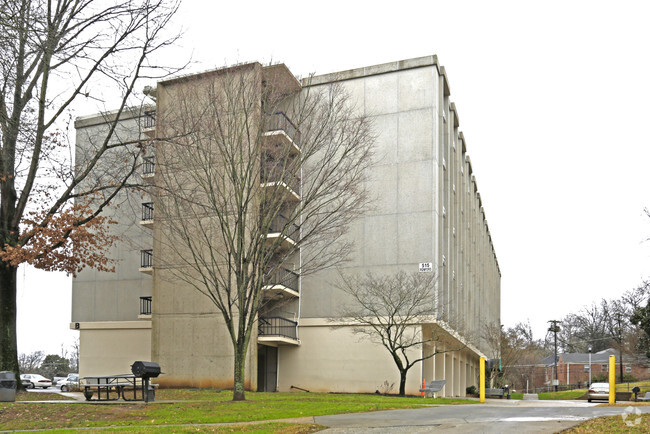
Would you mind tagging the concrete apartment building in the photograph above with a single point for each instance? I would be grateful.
(428, 210)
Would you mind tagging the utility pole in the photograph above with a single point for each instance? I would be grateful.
(555, 329)
(620, 346)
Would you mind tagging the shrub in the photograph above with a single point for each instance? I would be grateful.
(471, 390)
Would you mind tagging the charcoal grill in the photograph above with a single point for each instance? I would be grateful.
(146, 370)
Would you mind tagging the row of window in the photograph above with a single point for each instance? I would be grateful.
(604, 368)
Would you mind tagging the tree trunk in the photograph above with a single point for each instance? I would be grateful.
(8, 338)
(238, 392)
(402, 382)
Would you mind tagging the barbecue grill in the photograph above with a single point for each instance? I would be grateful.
(146, 370)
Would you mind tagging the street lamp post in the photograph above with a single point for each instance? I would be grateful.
(589, 366)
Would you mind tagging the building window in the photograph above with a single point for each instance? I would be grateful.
(604, 368)
(586, 368)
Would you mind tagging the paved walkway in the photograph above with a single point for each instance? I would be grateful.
(496, 416)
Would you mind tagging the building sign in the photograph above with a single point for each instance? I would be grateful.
(426, 267)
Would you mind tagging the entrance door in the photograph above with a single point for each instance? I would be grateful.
(267, 368)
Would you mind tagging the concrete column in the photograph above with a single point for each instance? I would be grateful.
(457, 375)
(449, 374)
(428, 365)
(439, 369)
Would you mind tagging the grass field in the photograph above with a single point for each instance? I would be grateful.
(613, 424)
(177, 407)
(567, 394)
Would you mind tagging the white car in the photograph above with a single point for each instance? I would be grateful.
(598, 391)
(71, 382)
(31, 381)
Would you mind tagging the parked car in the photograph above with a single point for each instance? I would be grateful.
(31, 381)
(71, 382)
(598, 391)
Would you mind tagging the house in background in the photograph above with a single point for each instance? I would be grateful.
(573, 369)
(428, 210)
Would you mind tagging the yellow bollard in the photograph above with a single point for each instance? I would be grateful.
(482, 379)
(612, 379)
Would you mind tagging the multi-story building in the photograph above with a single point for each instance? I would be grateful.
(427, 210)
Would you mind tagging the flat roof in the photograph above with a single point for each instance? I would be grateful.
(384, 68)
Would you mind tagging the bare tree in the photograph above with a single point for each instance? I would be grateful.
(515, 351)
(617, 321)
(29, 363)
(235, 205)
(53, 54)
(390, 310)
(583, 329)
(74, 356)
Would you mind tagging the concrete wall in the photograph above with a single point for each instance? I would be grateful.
(335, 360)
(190, 339)
(103, 296)
(111, 347)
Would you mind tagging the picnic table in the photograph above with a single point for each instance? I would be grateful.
(129, 387)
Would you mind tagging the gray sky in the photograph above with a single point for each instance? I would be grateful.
(553, 99)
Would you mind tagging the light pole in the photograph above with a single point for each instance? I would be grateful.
(589, 385)
(555, 329)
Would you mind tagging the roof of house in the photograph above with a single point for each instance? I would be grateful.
(599, 357)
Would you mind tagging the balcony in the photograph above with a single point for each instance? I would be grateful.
(146, 261)
(145, 307)
(148, 168)
(147, 215)
(282, 283)
(149, 123)
(275, 330)
(273, 175)
(281, 228)
(281, 132)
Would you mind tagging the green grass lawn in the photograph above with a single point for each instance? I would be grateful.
(201, 407)
(613, 424)
(27, 396)
(567, 394)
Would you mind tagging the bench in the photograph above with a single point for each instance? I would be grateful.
(433, 387)
(494, 392)
(646, 397)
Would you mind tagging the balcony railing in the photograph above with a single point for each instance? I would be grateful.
(277, 326)
(150, 119)
(280, 224)
(145, 305)
(272, 172)
(147, 211)
(146, 258)
(279, 121)
(148, 166)
(287, 278)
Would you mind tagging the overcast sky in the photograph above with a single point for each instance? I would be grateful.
(554, 102)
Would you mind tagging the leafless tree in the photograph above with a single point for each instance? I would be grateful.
(52, 55)
(74, 356)
(516, 351)
(390, 310)
(617, 322)
(584, 329)
(29, 363)
(223, 186)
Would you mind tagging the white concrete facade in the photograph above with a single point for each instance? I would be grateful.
(427, 209)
